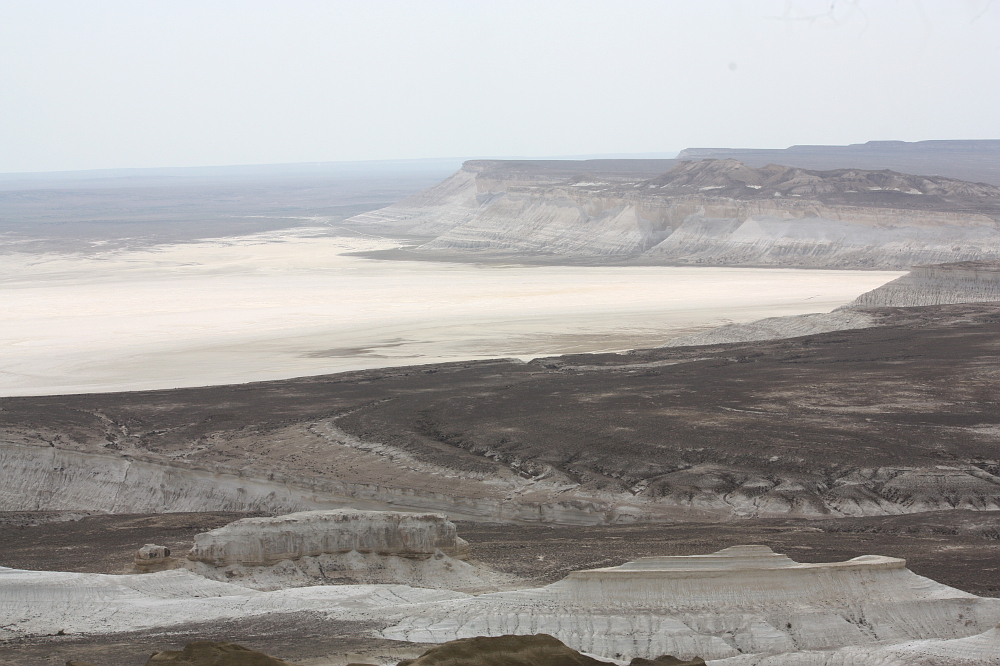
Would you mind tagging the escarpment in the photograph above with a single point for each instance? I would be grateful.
(962, 282)
(709, 212)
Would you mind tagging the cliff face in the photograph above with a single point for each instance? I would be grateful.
(713, 212)
(962, 282)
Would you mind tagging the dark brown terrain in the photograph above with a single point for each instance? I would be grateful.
(898, 418)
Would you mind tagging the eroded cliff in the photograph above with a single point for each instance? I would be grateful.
(710, 212)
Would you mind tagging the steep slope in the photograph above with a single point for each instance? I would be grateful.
(962, 282)
(712, 212)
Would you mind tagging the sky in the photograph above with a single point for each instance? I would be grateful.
(123, 84)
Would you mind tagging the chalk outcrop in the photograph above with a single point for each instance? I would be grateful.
(263, 541)
(743, 605)
(941, 284)
(341, 547)
(741, 600)
(979, 650)
(774, 328)
(711, 212)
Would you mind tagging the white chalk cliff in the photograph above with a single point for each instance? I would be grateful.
(940, 284)
(741, 600)
(743, 605)
(712, 212)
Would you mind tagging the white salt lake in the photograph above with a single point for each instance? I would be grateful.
(291, 303)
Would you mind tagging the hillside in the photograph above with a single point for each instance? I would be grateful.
(897, 418)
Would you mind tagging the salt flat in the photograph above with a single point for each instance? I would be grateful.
(291, 303)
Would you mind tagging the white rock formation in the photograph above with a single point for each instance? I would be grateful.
(341, 547)
(53, 479)
(741, 600)
(263, 541)
(941, 284)
(41, 603)
(152, 557)
(451, 202)
(742, 606)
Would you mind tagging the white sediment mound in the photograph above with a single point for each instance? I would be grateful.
(741, 600)
(40, 603)
(744, 606)
(342, 546)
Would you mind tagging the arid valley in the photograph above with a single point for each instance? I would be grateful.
(647, 407)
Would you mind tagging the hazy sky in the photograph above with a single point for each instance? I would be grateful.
(103, 84)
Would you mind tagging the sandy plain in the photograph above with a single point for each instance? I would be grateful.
(291, 303)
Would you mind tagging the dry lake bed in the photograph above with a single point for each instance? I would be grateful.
(291, 303)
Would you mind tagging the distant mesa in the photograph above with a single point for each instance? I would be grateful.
(977, 160)
(717, 211)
